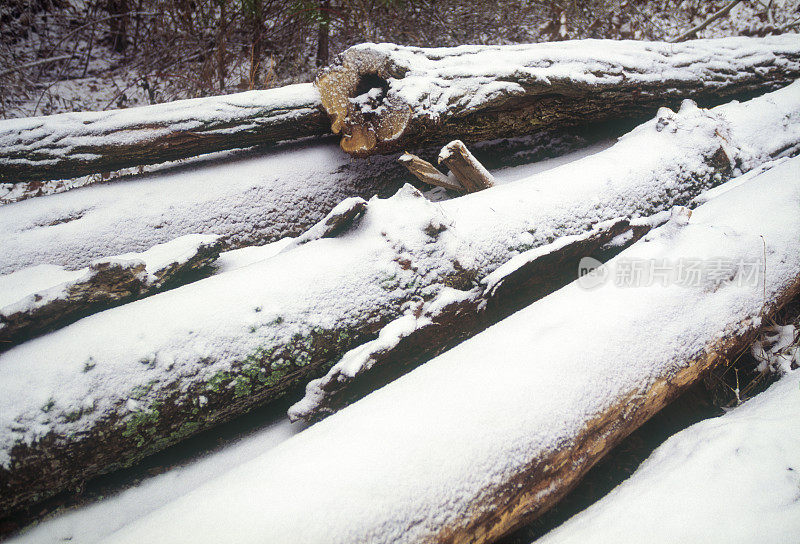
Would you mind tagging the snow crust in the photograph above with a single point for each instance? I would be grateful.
(733, 479)
(424, 452)
(26, 282)
(402, 247)
(92, 523)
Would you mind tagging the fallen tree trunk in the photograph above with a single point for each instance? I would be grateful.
(69, 145)
(386, 97)
(40, 299)
(430, 328)
(184, 360)
(494, 432)
(734, 474)
(265, 196)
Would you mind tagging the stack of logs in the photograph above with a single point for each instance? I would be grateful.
(371, 96)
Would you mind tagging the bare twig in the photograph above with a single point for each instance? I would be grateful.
(101, 20)
(34, 63)
(789, 25)
(693, 31)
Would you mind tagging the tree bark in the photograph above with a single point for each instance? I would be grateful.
(334, 294)
(386, 97)
(118, 24)
(104, 284)
(74, 144)
(323, 33)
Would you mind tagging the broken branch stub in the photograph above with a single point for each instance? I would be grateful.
(465, 167)
(385, 97)
(428, 173)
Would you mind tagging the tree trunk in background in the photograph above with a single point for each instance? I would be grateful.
(323, 37)
(118, 24)
(256, 25)
(221, 72)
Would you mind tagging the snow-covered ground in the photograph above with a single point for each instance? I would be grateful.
(729, 480)
(421, 454)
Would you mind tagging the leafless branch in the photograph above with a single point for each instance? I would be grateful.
(34, 63)
(693, 31)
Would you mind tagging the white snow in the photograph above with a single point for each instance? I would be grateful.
(514, 173)
(250, 199)
(64, 132)
(418, 456)
(26, 282)
(161, 256)
(418, 314)
(777, 349)
(245, 256)
(492, 280)
(191, 333)
(247, 199)
(729, 480)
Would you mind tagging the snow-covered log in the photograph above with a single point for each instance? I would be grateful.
(266, 195)
(247, 199)
(73, 404)
(69, 145)
(386, 97)
(427, 329)
(41, 298)
(493, 432)
(732, 479)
